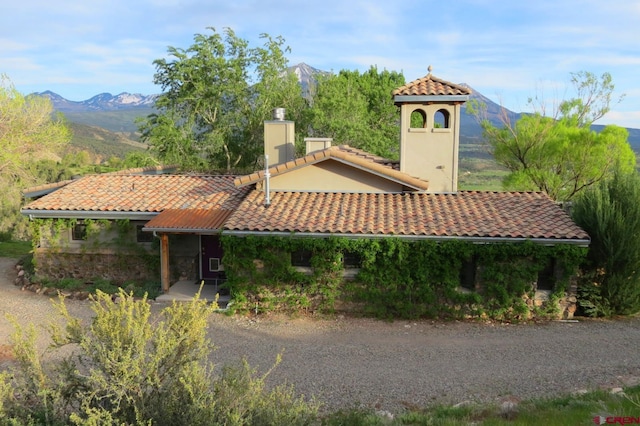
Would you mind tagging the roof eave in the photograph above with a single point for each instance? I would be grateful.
(476, 240)
(382, 175)
(40, 191)
(399, 99)
(203, 231)
(340, 159)
(84, 214)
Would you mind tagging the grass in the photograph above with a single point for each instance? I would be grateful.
(15, 249)
(479, 173)
(560, 411)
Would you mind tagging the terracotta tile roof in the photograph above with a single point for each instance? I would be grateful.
(431, 86)
(346, 154)
(142, 193)
(47, 188)
(149, 170)
(39, 190)
(472, 214)
(192, 220)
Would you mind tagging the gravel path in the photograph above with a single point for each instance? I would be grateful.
(344, 362)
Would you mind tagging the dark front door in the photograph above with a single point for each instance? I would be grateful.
(211, 268)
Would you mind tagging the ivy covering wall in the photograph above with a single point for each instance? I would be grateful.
(108, 250)
(396, 278)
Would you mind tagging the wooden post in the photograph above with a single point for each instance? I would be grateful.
(164, 262)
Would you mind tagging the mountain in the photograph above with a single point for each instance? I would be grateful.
(119, 113)
(135, 101)
(101, 102)
(307, 75)
(101, 142)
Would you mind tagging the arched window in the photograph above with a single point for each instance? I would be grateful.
(441, 119)
(418, 119)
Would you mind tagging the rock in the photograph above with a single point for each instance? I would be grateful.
(50, 291)
(21, 273)
(385, 415)
(509, 407)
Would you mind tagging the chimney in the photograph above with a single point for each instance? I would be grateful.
(316, 144)
(279, 138)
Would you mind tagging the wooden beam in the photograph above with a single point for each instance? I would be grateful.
(164, 262)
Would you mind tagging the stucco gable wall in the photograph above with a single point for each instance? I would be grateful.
(332, 176)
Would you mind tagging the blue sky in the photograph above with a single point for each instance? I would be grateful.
(507, 50)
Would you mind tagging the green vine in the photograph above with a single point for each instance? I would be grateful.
(119, 237)
(397, 278)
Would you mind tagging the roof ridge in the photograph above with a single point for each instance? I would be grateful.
(137, 170)
(345, 153)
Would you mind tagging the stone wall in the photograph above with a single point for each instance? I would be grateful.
(184, 267)
(88, 266)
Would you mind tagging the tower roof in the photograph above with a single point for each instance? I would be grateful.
(430, 87)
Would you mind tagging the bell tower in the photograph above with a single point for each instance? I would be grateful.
(430, 130)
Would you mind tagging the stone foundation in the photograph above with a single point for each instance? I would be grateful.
(184, 268)
(88, 266)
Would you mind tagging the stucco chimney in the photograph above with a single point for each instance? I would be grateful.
(279, 138)
(316, 144)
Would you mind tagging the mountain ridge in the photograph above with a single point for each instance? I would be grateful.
(118, 113)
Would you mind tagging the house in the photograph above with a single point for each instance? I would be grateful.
(331, 192)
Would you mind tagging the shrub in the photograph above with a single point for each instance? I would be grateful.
(610, 213)
(129, 367)
(104, 285)
(69, 284)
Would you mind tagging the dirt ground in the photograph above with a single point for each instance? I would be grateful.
(399, 365)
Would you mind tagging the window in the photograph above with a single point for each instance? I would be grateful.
(79, 232)
(441, 119)
(301, 257)
(142, 236)
(351, 260)
(468, 274)
(547, 277)
(418, 119)
(214, 264)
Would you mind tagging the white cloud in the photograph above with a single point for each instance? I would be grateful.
(629, 119)
(500, 47)
(10, 46)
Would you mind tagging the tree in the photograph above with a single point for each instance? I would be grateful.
(593, 99)
(216, 96)
(358, 110)
(29, 132)
(560, 155)
(610, 213)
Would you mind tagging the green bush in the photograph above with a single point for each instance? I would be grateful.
(104, 285)
(68, 284)
(610, 213)
(127, 367)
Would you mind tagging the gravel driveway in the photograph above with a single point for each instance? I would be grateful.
(395, 365)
